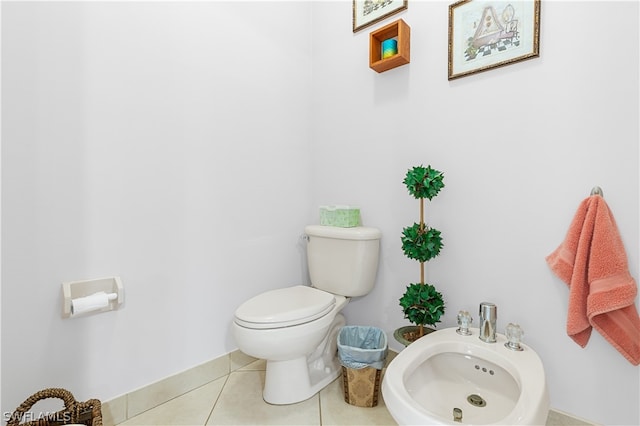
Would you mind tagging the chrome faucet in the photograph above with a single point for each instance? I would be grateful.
(488, 317)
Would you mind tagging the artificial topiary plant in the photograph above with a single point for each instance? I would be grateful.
(421, 303)
(420, 242)
(424, 182)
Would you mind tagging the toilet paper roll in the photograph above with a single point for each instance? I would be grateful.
(91, 303)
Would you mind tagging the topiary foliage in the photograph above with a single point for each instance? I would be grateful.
(424, 182)
(422, 304)
(421, 244)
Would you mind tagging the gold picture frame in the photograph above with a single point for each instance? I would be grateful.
(486, 34)
(368, 12)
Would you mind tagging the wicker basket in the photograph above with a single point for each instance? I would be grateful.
(86, 413)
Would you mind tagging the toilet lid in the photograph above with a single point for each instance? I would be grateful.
(284, 307)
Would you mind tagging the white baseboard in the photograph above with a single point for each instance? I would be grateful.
(560, 418)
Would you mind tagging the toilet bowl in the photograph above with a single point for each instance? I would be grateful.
(300, 352)
(295, 328)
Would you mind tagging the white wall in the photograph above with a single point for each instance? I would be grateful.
(163, 142)
(157, 141)
(520, 147)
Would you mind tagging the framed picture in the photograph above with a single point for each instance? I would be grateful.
(368, 12)
(485, 34)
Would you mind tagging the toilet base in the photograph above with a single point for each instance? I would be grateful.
(295, 380)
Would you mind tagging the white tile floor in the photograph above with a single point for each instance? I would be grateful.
(236, 399)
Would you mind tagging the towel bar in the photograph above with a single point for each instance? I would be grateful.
(597, 191)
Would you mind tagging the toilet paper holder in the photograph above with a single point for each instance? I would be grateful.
(79, 289)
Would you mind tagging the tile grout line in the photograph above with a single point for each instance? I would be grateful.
(213, 407)
(320, 407)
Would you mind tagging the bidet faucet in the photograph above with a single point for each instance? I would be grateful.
(488, 317)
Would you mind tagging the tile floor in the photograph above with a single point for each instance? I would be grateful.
(236, 399)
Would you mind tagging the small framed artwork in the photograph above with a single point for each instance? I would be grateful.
(368, 12)
(485, 34)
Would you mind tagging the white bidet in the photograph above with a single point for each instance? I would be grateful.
(447, 378)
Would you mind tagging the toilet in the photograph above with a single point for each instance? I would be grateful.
(295, 328)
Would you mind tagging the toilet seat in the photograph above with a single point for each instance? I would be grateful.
(284, 307)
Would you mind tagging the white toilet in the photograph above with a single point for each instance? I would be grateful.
(295, 328)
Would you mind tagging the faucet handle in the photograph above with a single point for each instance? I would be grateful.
(514, 336)
(464, 319)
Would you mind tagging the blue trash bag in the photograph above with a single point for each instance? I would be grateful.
(360, 347)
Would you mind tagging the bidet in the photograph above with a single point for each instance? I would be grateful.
(449, 378)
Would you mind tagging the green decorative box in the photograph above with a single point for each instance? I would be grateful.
(341, 216)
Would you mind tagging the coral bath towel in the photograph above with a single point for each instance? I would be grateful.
(592, 262)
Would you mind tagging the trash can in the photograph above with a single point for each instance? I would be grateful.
(362, 352)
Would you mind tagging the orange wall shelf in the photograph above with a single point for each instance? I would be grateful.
(402, 32)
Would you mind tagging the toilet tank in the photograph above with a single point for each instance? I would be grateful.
(343, 261)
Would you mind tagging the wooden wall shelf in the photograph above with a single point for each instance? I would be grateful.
(397, 29)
